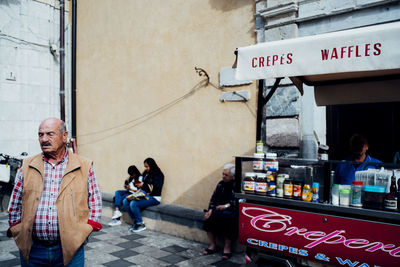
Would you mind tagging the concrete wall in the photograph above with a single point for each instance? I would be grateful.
(139, 96)
(285, 19)
(29, 73)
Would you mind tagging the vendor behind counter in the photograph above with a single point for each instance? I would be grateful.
(345, 172)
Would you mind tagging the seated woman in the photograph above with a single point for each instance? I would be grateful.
(153, 180)
(220, 217)
(134, 175)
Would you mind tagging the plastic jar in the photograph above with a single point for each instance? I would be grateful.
(258, 163)
(259, 146)
(249, 183)
(288, 188)
(271, 162)
(297, 190)
(323, 152)
(335, 195)
(261, 184)
(344, 196)
(280, 179)
(355, 195)
(271, 189)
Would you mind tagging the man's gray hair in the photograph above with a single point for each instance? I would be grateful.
(63, 127)
(231, 167)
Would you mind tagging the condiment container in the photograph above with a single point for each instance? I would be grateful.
(374, 196)
(356, 192)
(344, 197)
(288, 188)
(271, 161)
(249, 183)
(261, 184)
(258, 163)
(271, 189)
(315, 192)
(335, 194)
(323, 152)
(306, 195)
(259, 146)
(280, 179)
(297, 190)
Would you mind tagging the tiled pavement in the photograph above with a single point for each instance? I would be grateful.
(117, 247)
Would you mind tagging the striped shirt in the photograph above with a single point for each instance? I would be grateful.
(45, 226)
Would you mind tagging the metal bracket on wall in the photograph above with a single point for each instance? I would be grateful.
(201, 73)
(271, 92)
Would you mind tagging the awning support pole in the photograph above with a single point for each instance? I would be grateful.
(261, 102)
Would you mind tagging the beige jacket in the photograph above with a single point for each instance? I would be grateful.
(72, 205)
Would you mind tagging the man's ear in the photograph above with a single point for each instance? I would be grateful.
(65, 136)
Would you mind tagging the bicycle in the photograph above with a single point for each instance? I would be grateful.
(8, 170)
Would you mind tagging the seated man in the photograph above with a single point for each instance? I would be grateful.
(345, 172)
(219, 219)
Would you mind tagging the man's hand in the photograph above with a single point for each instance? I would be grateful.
(208, 214)
(222, 207)
(139, 184)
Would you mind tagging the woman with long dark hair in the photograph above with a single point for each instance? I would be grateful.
(153, 180)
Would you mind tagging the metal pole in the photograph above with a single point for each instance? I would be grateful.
(62, 57)
(260, 108)
(73, 71)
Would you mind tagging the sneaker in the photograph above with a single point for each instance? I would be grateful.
(137, 228)
(114, 222)
(117, 214)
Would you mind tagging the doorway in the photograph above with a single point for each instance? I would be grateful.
(378, 122)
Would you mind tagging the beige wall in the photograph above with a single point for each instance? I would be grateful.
(136, 57)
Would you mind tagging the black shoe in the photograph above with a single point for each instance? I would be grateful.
(138, 228)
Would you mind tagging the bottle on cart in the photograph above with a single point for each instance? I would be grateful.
(271, 186)
(355, 194)
(297, 185)
(259, 146)
(390, 202)
(306, 195)
(288, 188)
(315, 192)
(398, 195)
(280, 179)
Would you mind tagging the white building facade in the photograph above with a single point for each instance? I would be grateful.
(30, 71)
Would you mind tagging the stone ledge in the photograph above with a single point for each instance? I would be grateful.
(166, 212)
(171, 219)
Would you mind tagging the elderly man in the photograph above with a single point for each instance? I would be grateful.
(56, 202)
(219, 219)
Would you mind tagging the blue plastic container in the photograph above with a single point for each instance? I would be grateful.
(374, 196)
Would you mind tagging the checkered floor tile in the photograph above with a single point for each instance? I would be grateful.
(117, 247)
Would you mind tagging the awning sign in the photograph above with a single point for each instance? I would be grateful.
(362, 49)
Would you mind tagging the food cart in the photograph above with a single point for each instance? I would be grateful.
(352, 66)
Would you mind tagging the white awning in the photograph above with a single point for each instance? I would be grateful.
(355, 53)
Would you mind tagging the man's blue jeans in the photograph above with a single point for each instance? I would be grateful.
(135, 206)
(51, 256)
(119, 196)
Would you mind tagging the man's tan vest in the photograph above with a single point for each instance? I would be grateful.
(72, 204)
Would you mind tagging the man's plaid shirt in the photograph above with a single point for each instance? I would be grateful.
(45, 226)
